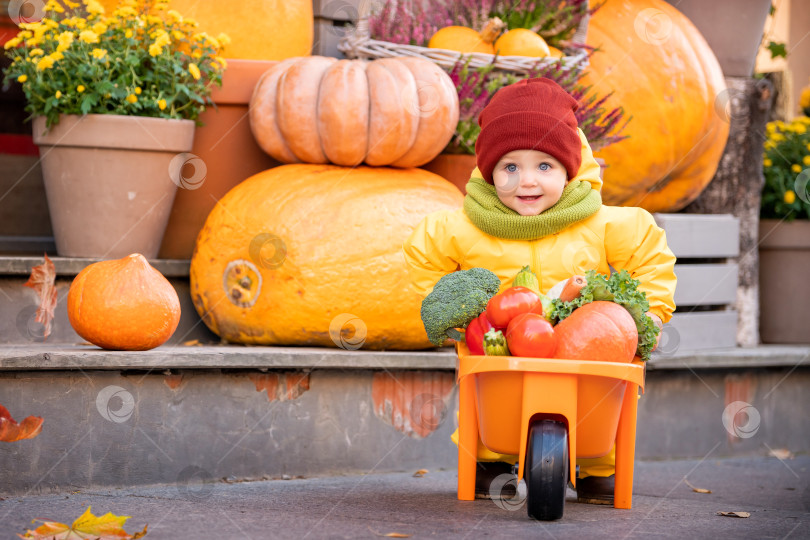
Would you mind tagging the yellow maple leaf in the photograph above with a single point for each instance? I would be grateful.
(106, 527)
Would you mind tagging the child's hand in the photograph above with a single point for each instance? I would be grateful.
(660, 324)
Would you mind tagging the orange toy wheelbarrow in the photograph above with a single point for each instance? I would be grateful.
(545, 411)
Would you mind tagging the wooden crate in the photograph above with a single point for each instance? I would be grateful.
(706, 247)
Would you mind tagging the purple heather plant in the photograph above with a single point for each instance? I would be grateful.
(476, 86)
(413, 22)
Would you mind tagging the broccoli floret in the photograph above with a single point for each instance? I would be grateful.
(457, 299)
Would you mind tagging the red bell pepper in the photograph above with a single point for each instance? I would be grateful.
(474, 335)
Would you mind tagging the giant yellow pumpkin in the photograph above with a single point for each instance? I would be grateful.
(311, 255)
(259, 29)
(392, 111)
(665, 75)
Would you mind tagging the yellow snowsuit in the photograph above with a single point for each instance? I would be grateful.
(614, 237)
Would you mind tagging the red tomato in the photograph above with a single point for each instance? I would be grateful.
(474, 335)
(504, 306)
(530, 334)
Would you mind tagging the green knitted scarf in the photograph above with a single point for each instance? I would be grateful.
(489, 214)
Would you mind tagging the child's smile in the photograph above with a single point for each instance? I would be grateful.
(529, 181)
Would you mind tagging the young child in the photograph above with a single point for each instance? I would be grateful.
(535, 199)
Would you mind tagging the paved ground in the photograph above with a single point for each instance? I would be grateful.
(775, 492)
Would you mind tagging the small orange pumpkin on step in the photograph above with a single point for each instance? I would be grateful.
(123, 304)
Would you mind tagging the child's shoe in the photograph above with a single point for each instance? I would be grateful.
(486, 486)
(595, 489)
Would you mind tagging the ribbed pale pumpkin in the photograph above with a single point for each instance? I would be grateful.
(665, 75)
(123, 304)
(400, 112)
(312, 255)
(259, 29)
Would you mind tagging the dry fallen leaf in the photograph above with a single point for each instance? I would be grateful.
(11, 431)
(734, 514)
(696, 489)
(781, 453)
(42, 281)
(390, 535)
(191, 343)
(420, 473)
(87, 526)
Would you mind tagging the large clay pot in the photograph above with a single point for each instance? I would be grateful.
(108, 181)
(784, 256)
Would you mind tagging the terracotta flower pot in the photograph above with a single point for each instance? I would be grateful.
(224, 154)
(457, 168)
(108, 183)
(784, 256)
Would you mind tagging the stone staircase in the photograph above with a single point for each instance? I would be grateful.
(198, 408)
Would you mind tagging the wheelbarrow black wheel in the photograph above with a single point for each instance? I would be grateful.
(546, 469)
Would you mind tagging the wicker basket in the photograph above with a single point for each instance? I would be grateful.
(358, 44)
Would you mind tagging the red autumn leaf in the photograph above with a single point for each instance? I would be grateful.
(11, 431)
(42, 281)
(87, 526)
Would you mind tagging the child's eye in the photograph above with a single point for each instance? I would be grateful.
(511, 167)
(545, 166)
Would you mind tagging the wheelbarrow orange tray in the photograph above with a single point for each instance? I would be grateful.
(501, 397)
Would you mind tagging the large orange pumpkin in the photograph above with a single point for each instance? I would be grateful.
(123, 304)
(597, 331)
(312, 255)
(665, 75)
(393, 111)
(259, 29)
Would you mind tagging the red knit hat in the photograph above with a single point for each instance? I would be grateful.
(532, 114)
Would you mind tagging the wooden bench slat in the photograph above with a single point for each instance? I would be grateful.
(705, 284)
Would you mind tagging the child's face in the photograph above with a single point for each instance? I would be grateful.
(529, 181)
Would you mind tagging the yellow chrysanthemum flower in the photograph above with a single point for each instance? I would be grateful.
(56, 56)
(22, 78)
(65, 40)
(132, 98)
(13, 42)
(99, 28)
(88, 36)
(790, 197)
(808, 146)
(80, 88)
(58, 94)
(155, 49)
(138, 90)
(806, 160)
(770, 127)
(128, 33)
(194, 70)
(175, 15)
(224, 39)
(99, 54)
(161, 104)
(221, 61)
(33, 42)
(800, 128)
(767, 162)
(796, 168)
(93, 7)
(44, 63)
(777, 137)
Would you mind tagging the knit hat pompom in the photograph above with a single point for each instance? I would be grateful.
(532, 114)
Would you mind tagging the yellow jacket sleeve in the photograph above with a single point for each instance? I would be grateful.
(430, 252)
(640, 246)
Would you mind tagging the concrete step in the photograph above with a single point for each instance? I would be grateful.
(122, 419)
